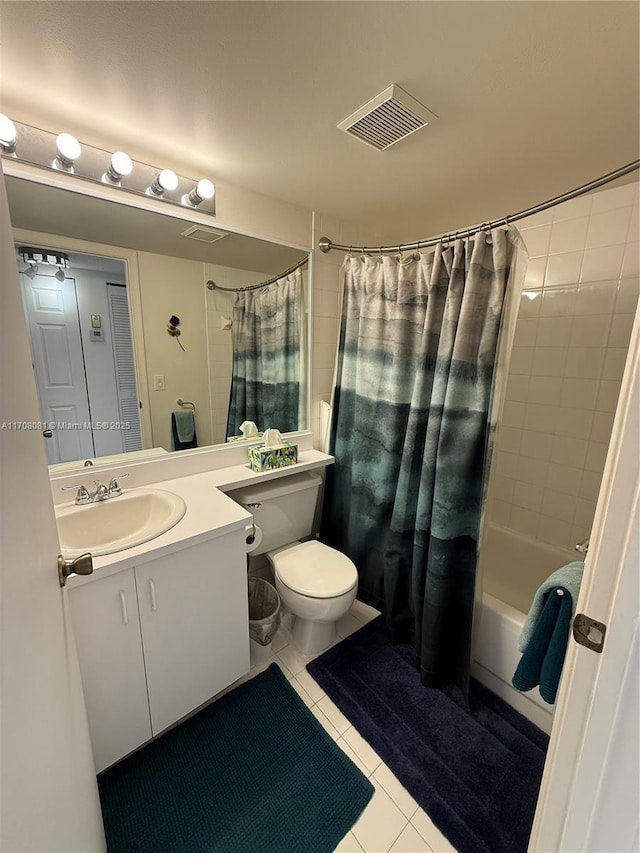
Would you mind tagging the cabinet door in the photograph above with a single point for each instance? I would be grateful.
(195, 628)
(107, 630)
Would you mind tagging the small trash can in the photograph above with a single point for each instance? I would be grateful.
(264, 618)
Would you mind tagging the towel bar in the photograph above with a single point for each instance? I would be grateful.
(187, 404)
(582, 547)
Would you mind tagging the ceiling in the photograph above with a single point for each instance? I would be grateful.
(532, 98)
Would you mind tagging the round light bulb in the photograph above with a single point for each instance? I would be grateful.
(68, 149)
(120, 166)
(205, 189)
(8, 134)
(121, 163)
(168, 180)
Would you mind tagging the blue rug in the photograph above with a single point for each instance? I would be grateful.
(254, 771)
(475, 771)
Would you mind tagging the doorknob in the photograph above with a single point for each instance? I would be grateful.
(82, 565)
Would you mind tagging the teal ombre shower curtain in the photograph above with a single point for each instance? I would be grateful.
(409, 434)
(265, 381)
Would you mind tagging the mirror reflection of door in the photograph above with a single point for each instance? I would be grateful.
(83, 362)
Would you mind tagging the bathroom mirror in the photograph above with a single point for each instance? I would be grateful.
(151, 271)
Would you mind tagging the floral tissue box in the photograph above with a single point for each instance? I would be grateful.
(267, 458)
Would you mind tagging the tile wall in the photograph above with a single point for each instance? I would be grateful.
(576, 311)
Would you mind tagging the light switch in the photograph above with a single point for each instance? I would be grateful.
(158, 382)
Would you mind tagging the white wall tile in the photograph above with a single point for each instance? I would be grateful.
(537, 240)
(596, 456)
(569, 451)
(574, 423)
(513, 413)
(545, 390)
(572, 209)
(602, 264)
(554, 331)
(609, 199)
(524, 521)
(528, 496)
(620, 333)
(521, 360)
(565, 269)
(530, 301)
(601, 426)
(579, 393)
(534, 275)
(614, 363)
(554, 531)
(608, 394)
(596, 298)
(565, 479)
(549, 361)
(590, 485)
(541, 418)
(569, 352)
(627, 298)
(559, 505)
(608, 228)
(525, 334)
(536, 445)
(559, 301)
(585, 362)
(590, 331)
(569, 235)
(630, 259)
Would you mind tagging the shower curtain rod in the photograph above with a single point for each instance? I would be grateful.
(326, 245)
(211, 285)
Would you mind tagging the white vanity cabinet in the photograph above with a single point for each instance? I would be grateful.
(195, 625)
(107, 633)
(156, 641)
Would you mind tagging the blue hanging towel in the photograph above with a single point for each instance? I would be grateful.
(183, 430)
(543, 659)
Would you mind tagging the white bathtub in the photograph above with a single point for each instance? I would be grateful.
(513, 566)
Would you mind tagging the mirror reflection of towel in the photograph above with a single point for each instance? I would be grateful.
(183, 430)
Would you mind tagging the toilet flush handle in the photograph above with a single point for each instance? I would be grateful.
(254, 506)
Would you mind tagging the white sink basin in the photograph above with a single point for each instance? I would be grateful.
(108, 526)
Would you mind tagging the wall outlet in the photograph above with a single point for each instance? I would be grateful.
(158, 382)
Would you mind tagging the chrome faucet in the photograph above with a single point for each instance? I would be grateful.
(101, 493)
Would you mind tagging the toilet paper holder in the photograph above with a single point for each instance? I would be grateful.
(251, 538)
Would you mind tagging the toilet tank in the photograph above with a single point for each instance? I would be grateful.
(283, 509)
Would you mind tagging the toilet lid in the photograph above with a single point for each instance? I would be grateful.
(316, 570)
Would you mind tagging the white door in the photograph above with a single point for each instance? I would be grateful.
(590, 788)
(106, 626)
(195, 633)
(52, 315)
(49, 796)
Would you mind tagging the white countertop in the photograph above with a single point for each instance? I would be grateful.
(210, 513)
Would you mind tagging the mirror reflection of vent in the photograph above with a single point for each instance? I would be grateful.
(204, 234)
(388, 118)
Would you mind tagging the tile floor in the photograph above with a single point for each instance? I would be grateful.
(392, 821)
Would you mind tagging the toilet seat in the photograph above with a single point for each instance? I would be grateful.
(314, 570)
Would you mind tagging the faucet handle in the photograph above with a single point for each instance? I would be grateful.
(83, 495)
(114, 486)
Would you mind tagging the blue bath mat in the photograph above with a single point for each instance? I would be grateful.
(254, 771)
(475, 771)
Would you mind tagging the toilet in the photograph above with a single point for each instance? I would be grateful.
(316, 583)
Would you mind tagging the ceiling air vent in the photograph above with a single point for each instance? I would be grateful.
(204, 234)
(386, 119)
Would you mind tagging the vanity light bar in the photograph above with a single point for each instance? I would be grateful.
(63, 152)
